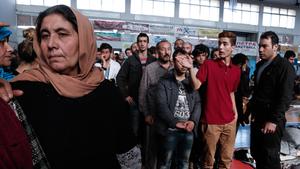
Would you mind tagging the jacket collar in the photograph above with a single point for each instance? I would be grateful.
(149, 57)
(171, 75)
(274, 61)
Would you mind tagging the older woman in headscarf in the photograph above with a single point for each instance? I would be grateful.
(79, 118)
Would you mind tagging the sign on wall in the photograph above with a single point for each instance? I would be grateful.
(247, 48)
(108, 36)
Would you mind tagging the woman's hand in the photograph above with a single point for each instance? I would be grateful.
(6, 92)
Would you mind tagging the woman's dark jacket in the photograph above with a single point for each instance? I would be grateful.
(83, 132)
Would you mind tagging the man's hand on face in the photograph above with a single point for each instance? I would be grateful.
(186, 62)
(6, 92)
(105, 64)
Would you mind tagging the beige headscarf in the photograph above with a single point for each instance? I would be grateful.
(89, 76)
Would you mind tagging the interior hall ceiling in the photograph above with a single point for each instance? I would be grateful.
(283, 2)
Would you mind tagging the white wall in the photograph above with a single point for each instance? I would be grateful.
(33, 10)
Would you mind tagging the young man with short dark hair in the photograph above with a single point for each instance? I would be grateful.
(273, 92)
(218, 123)
(129, 77)
(200, 53)
(111, 68)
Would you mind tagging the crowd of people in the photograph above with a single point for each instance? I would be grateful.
(162, 107)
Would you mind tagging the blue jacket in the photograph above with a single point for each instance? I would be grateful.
(167, 95)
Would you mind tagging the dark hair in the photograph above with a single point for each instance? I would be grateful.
(239, 59)
(289, 53)
(106, 46)
(162, 41)
(152, 50)
(127, 49)
(272, 35)
(175, 47)
(142, 35)
(179, 40)
(229, 35)
(179, 51)
(212, 52)
(26, 52)
(199, 49)
(63, 10)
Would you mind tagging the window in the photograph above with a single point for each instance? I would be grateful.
(279, 17)
(153, 7)
(241, 13)
(23, 20)
(103, 5)
(200, 9)
(44, 2)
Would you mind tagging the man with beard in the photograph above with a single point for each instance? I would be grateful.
(178, 44)
(134, 47)
(153, 72)
(5, 52)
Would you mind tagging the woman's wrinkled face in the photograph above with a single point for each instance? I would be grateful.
(59, 44)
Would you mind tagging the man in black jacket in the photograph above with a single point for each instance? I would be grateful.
(273, 91)
(129, 77)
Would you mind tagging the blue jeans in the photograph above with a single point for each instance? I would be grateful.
(178, 142)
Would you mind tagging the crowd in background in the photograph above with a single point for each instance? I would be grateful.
(173, 105)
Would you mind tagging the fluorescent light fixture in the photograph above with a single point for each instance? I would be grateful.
(25, 27)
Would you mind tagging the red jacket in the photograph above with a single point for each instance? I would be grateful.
(15, 150)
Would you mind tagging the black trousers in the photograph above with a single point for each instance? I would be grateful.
(265, 148)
